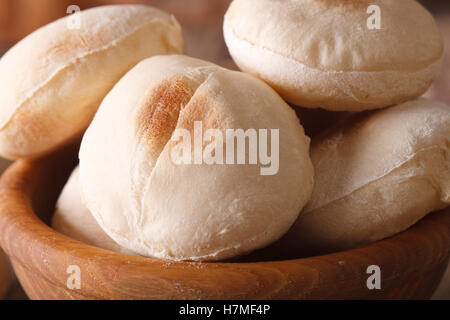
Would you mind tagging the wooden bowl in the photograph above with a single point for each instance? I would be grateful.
(5, 275)
(412, 263)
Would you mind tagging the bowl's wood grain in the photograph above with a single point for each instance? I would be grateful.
(412, 263)
(5, 275)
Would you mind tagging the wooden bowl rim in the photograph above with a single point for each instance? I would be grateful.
(15, 204)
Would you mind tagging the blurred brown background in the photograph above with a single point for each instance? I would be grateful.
(201, 20)
(202, 25)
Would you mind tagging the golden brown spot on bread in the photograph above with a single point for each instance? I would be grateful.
(177, 103)
(350, 4)
(202, 108)
(158, 118)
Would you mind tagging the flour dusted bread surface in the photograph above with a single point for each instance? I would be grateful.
(374, 177)
(74, 220)
(149, 204)
(52, 82)
(320, 53)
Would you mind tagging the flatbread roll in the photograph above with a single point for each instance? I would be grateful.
(52, 81)
(326, 53)
(150, 203)
(376, 175)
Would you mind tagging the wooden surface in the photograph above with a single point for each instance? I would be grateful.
(411, 263)
(5, 275)
(443, 290)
